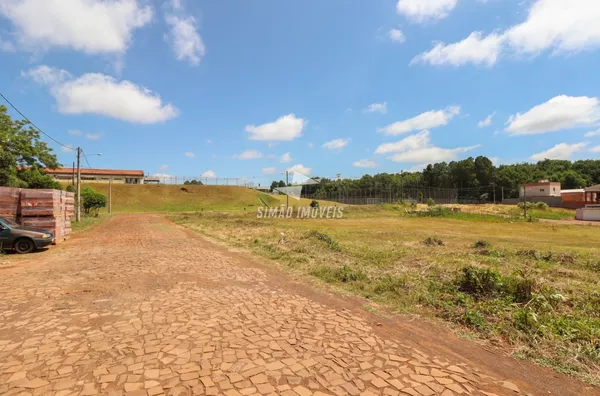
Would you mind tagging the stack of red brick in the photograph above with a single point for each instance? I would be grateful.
(47, 209)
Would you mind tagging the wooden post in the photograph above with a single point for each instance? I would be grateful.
(110, 195)
(78, 208)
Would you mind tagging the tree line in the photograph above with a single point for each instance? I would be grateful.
(471, 177)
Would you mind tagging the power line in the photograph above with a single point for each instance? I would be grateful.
(31, 122)
(86, 159)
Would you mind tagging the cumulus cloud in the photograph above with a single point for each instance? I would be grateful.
(249, 155)
(185, 39)
(427, 120)
(595, 149)
(93, 136)
(90, 26)
(336, 144)
(425, 10)
(287, 157)
(560, 112)
(285, 128)
(6, 46)
(303, 170)
(67, 149)
(561, 151)
(269, 171)
(95, 93)
(412, 142)
(419, 149)
(189, 154)
(486, 122)
(396, 35)
(209, 174)
(376, 108)
(365, 163)
(562, 27)
(592, 133)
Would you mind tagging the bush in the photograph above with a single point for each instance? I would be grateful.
(314, 204)
(541, 206)
(71, 188)
(92, 201)
(433, 241)
(480, 282)
(321, 236)
(481, 244)
(435, 211)
(430, 202)
(420, 197)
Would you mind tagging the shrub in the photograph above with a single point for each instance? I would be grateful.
(541, 206)
(474, 319)
(321, 236)
(420, 197)
(433, 241)
(71, 188)
(430, 202)
(481, 244)
(314, 204)
(479, 282)
(92, 201)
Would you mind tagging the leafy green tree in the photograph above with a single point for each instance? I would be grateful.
(193, 182)
(92, 201)
(23, 155)
(281, 184)
(571, 179)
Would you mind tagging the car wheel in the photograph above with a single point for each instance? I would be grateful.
(24, 245)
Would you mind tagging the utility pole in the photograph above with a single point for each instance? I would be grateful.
(494, 187)
(110, 195)
(287, 196)
(401, 188)
(502, 193)
(525, 203)
(73, 173)
(78, 209)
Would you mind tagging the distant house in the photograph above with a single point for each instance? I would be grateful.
(574, 198)
(543, 188)
(98, 175)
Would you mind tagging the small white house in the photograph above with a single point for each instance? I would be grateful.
(543, 188)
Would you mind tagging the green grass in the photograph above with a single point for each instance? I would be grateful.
(88, 222)
(532, 285)
(188, 198)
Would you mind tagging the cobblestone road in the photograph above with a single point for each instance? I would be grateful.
(138, 306)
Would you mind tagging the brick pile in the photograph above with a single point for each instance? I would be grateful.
(50, 210)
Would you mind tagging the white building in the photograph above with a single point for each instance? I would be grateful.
(543, 188)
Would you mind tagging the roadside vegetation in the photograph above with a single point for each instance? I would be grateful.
(530, 288)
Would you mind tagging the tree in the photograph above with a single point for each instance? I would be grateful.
(92, 201)
(193, 182)
(571, 179)
(281, 183)
(23, 155)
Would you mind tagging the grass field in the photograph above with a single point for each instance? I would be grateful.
(170, 198)
(530, 288)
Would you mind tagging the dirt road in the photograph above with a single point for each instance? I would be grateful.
(140, 306)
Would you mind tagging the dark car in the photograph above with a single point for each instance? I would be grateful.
(22, 239)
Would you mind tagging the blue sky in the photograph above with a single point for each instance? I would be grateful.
(252, 88)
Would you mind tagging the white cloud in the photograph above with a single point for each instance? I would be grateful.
(418, 149)
(287, 157)
(495, 160)
(431, 154)
(425, 10)
(560, 112)
(396, 35)
(6, 46)
(249, 155)
(336, 144)
(269, 171)
(91, 26)
(561, 151)
(176, 4)
(412, 142)
(365, 163)
(95, 93)
(185, 40)
(427, 120)
(284, 128)
(189, 154)
(564, 27)
(592, 133)
(163, 168)
(486, 122)
(474, 49)
(75, 132)
(67, 149)
(303, 170)
(595, 149)
(93, 136)
(209, 173)
(376, 108)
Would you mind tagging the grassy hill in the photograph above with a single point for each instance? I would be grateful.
(169, 198)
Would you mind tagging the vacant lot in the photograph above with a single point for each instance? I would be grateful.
(532, 289)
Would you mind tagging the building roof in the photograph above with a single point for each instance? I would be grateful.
(97, 172)
(572, 191)
(539, 184)
(595, 188)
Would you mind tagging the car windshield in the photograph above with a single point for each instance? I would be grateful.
(8, 222)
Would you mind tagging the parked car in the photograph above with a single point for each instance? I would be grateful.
(22, 239)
